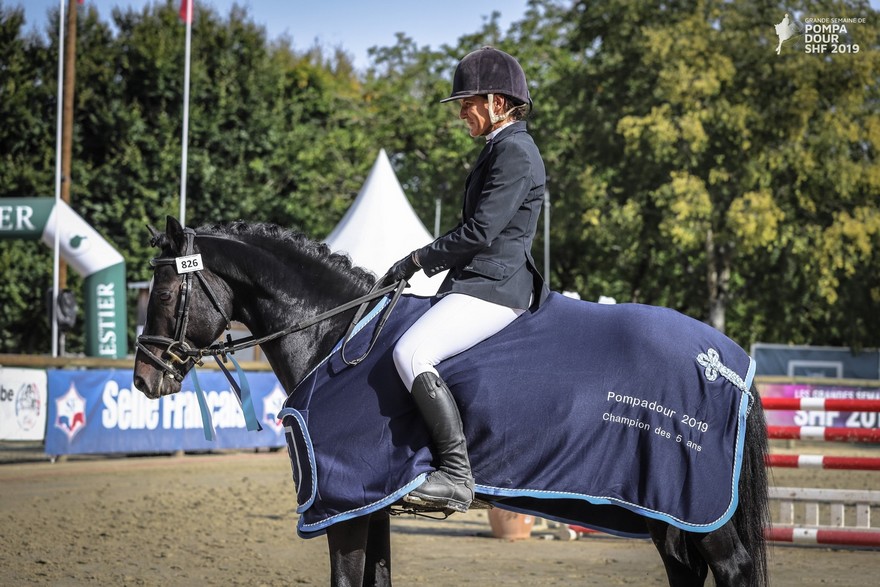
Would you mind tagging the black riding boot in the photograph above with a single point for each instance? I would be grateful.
(451, 486)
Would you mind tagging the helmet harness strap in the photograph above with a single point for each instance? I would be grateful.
(496, 118)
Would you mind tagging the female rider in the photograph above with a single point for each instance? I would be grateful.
(492, 277)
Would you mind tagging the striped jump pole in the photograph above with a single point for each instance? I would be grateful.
(845, 537)
(862, 536)
(823, 462)
(818, 404)
(824, 433)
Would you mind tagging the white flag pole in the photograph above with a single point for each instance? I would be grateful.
(547, 236)
(184, 149)
(57, 208)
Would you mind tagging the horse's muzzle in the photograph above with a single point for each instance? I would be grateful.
(162, 384)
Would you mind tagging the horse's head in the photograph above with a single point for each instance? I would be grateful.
(187, 310)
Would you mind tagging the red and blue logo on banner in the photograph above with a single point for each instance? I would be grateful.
(70, 411)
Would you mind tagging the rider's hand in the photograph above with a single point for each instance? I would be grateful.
(403, 269)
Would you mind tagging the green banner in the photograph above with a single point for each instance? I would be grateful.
(87, 252)
(105, 314)
(24, 218)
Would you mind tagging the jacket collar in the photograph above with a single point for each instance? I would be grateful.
(508, 130)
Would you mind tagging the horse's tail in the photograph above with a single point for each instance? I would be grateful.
(753, 513)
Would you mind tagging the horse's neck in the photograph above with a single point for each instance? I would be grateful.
(271, 304)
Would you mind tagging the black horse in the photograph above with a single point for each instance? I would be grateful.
(267, 277)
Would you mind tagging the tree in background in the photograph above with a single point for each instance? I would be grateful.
(688, 164)
(427, 143)
(27, 168)
(273, 137)
(706, 173)
(270, 137)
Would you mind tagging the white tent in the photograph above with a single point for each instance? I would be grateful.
(381, 227)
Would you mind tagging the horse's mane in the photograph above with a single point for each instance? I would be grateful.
(286, 240)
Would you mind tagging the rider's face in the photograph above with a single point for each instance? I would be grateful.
(475, 111)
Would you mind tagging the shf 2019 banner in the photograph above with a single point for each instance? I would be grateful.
(829, 418)
(102, 412)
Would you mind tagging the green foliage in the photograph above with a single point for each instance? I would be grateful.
(26, 168)
(718, 177)
(688, 164)
(427, 143)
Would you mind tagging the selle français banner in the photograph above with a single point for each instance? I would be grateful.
(100, 411)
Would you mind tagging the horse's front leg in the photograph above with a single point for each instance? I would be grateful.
(360, 551)
(377, 567)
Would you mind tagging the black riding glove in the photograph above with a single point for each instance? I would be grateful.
(403, 269)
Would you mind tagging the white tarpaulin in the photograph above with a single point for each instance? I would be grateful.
(381, 227)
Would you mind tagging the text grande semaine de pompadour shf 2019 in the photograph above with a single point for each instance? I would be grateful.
(823, 35)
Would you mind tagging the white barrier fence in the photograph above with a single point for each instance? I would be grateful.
(824, 516)
(840, 517)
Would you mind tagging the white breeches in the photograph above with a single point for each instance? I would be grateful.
(452, 325)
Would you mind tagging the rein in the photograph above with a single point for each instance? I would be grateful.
(181, 353)
(230, 346)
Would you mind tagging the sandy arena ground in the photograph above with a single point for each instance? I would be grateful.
(229, 519)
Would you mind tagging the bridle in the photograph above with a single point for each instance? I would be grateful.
(180, 353)
(176, 348)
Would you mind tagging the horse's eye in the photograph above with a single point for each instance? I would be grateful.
(164, 296)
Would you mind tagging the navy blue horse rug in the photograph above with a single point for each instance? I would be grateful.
(584, 413)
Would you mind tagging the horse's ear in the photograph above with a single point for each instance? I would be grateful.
(175, 233)
(155, 236)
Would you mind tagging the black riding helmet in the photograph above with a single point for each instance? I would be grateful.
(489, 71)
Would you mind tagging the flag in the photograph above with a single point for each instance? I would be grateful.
(186, 10)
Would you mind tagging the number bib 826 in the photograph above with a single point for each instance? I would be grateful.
(189, 263)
